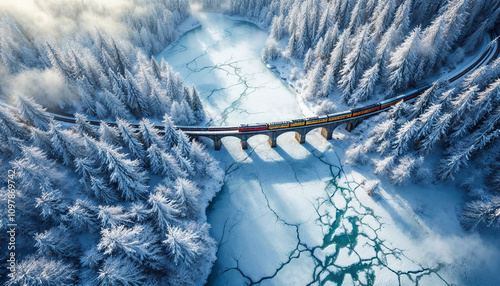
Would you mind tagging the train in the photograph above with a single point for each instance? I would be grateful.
(357, 112)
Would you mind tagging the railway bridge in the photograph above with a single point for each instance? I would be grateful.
(300, 133)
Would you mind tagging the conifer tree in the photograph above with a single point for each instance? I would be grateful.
(131, 139)
(34, 113)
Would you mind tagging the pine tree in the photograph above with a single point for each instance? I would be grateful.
(171, 136)
(187, 195)
(314, 79)
(83, 127)
(34, 113)
(131, 139)
(481, 213)
(83, 215)
(50, 202)
(139, 212)
(108, 134)
(64, 143)
(336, 59)
(196, 104)
(405, 135)
(182, 244)
(129, 178)
(403, 62)
(113, 216)
(163, 163)
(366, 86)
(10, 126)
(56, 242)
(424, 100)
(404, 170)
(149, 134)
(43, 271)
(35, 169)
(114, 105)
(117, 271)
(135, 100)
(164, 211)
(137, 243)
(40, 139)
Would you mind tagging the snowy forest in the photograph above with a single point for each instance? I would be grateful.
(110, 204)
(343, 54)
(124, 204)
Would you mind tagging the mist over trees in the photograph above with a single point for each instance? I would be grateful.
(104, 75)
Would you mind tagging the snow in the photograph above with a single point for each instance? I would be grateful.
(284, 211)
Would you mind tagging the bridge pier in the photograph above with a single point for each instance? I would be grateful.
(301, 136)
(272, 139)
(217, 143)
(327, 132)
(352, 124)
(244, 143)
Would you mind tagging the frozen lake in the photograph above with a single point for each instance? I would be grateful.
(294, 215)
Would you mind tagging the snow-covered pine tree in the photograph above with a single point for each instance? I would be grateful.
(187, 196)
(131, 139)
(135, 100)
(83, 127)
(40, 139)
(336, 59)
(50, 203)
(114, 105)
(182, 244)
(83, 216)
(56, 242)
(36, 270)
(34, 113)
(65, 144)
(366, 86)
(108, 134)
(10, 125)
(481, 213)
(405, 135)
(138, 243)
(405, 168)
(424, 100)
(149, 134)
(314, 78)
(196, 105)
(34, 169)
(129, 178)
(163, 163)
(171, 135)
(117, 271)
(113, 216)
(164, 210)
(403, 62)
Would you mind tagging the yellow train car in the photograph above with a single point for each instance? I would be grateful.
(279, 125)
(365, 109)
(339, 116)
(317, 120)
(297, 122)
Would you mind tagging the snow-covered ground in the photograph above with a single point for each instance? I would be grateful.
(295, 215)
